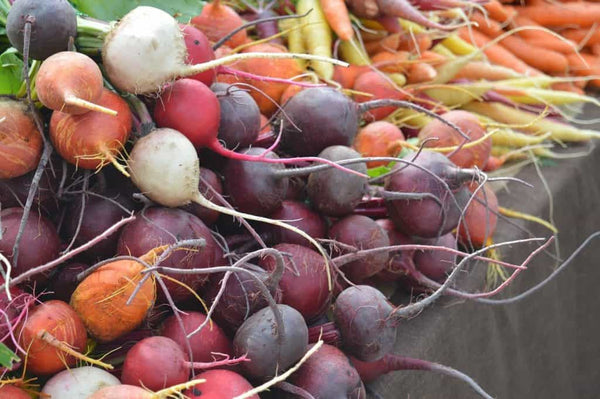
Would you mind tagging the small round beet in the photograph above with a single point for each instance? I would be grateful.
(304, 281)
(363, 233)
(220, 384)
(240, 116)
(363, 316)
(299, 215)
(269, 352)
(155, 363)
(210, 339)
(436, 264)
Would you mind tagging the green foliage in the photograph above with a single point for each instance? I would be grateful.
(7, 357)
(111, 10)
(11, 67)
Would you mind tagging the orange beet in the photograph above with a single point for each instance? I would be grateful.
(60, 320)
(480, 220)
(374, 140)
(92, 139)
(20, 141)
(466, 157)
(377, 84)
(101, 297)
(346, 76)
(216, 20)
(12, 392)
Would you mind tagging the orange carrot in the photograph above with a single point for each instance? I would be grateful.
(346, 76)
(583, 36)
(539, 58)
(543, 39)
(499, 12)
(388, 43)
(567, 86)
(391, 62)
(583, 14)
(487, 26)
(497, 54)
(579, 68)
(338, 18)
(420, 72)
(477, 70)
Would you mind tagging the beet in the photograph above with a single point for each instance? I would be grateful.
(40, 242)
(322, 117)
(271, 350)
(304, 281)
(298, 215)
(240, 116)
(64, 281)
(336, 192)
(425, 217)
(241, 297)
(252, 187)
(220, 384)
(158, 226)
(155, 363)
(398, 261)
(363, 233)
(436, 264)
(329, 374)
(210, 339)
(99, 214)
(363, 316)
(53, 23)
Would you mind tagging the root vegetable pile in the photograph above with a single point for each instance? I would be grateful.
(208, 207)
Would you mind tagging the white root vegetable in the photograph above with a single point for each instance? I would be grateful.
(77, 383)
(164, 165)
(146, 50)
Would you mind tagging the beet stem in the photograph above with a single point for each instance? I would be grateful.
(542, 283)
(396, 196)
(226, 361)
(50, 339)
(395, 362)
(417, 307)
(366, 106)
(252, 23)
(219, 149)
(236, 72)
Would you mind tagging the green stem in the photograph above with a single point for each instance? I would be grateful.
(33, 70)
(92, 27)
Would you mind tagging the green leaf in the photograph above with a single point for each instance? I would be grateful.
(7, 357)
(11, 67)
(380, 170)
(111, 10)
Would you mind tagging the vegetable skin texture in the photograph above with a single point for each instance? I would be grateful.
(155, 363)
(12, 392)
(93, 139)
(216, 20)
(199, 51)
(100, 299)
(122, 391)
(20, 141)
(60, 320)
(66, 77)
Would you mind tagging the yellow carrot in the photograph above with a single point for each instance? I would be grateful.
(352, 52)
(317, 36)
(458, 46)
(295, 41)
(530, 122)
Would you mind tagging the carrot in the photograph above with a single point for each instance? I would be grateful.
(338, 18)
(353, 53)
(496, 53)
(568, 86)
(499, 12)
(391, 62)
(388, 43)
(420, 72)
(477, 70)
(583, 36)
(317, 36)
(539, 58)
(595, 49)
(487, 26)
(417, 43)
(539, 38)
(295, 41)
(579, 68)
(346, 76)
(584, 14)
(378, 85)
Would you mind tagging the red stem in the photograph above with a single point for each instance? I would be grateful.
(226, 361)
(216, 146)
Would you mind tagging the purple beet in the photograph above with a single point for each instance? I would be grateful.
(436, 264)
(297, 214)
(208, 216)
